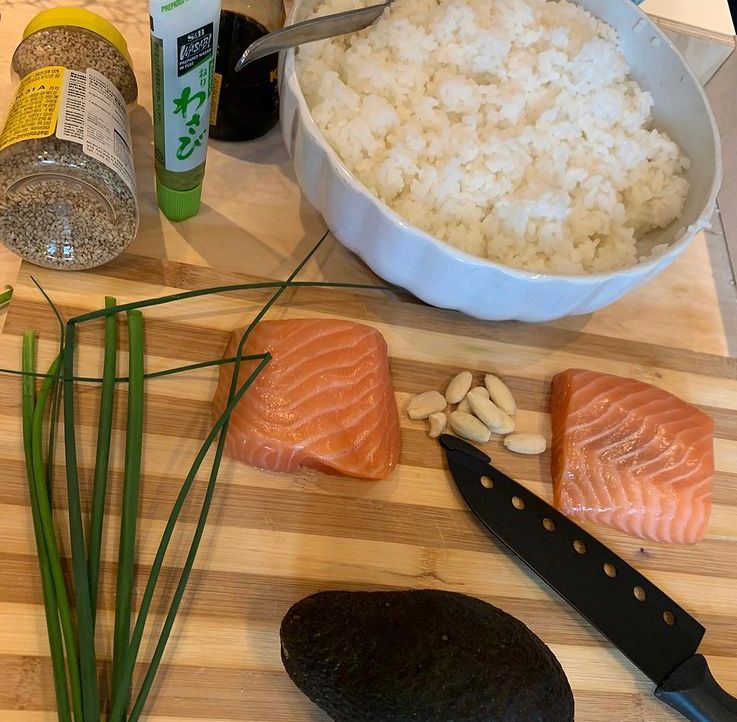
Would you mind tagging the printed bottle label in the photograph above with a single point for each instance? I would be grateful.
(93, 113)
(84, 108)
(35, 108)
(217, 84)
(183, 100)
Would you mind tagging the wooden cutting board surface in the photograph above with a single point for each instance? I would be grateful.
(274, 539)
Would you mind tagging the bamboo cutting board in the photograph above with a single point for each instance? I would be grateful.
(274, 539)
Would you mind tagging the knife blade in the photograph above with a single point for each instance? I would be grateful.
(650, 628)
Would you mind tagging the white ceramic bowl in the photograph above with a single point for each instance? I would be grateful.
(442, 275)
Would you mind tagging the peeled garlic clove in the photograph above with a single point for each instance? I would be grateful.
(507, 425)
(469, 427)
(491, 415)
(458, 387)
(464, 407)
(526, 443)
(438, 422)
(486, 411)
(500, 394)
(481, 390)
(423, 405)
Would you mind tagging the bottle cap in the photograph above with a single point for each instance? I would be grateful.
(178, 205)
(79, 18)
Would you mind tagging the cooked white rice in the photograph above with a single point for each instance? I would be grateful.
(507, 128)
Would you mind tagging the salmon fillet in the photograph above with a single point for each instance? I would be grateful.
(631, 456)
(325, 401)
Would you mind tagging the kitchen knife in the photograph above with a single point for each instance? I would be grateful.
(657, 635)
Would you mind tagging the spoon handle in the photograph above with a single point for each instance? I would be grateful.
(308, 31)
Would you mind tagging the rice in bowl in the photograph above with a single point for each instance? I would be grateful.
(506, 128)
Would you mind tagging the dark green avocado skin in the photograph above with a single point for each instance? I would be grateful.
(421, 656)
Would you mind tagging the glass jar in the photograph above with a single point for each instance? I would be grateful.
(67, 182)
(245, 105)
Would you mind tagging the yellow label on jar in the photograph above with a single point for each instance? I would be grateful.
(35, 108)
(217, 84)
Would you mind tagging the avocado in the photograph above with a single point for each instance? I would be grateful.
(420, 656)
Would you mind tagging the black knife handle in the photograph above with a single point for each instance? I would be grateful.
(692, 691)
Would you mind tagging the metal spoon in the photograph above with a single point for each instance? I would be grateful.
(308, 31)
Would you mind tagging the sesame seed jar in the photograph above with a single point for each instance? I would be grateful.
(67, 181)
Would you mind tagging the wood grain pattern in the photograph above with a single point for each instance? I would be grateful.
(274, 539)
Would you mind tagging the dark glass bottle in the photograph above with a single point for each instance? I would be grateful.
(245, 105)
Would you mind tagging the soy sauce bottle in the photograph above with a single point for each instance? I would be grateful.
(245, 105)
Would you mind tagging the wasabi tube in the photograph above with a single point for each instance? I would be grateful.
(184, 37)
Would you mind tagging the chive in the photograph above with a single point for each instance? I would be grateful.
(131, 484)
(50, 456)
(120, 692)
(53, 418)
(79, 561)
(85, 627)
(151, 375)
(41, 499)
(81, 569)
(112, 311)
(104, 434)
(56, 393)
(6, 296)
(185, 295)
(221, 427)
(51, 610)
(191, 556)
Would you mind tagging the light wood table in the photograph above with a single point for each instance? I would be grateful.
(274, 539)
(707, 15)
(707, 47)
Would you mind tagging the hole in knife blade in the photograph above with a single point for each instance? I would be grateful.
(669, 618)
(487, 482)
(580, 546)
(549, 524)
(610, 570)
(518, 502)
(640, 594)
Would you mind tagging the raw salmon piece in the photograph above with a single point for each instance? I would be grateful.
(325, 401)
(632, 456)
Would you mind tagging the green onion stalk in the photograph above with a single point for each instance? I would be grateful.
(73, 655)
(6, 296)
(221, 428)
(51, 607)
(80, 579)
(131, 485)
(102, 456)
